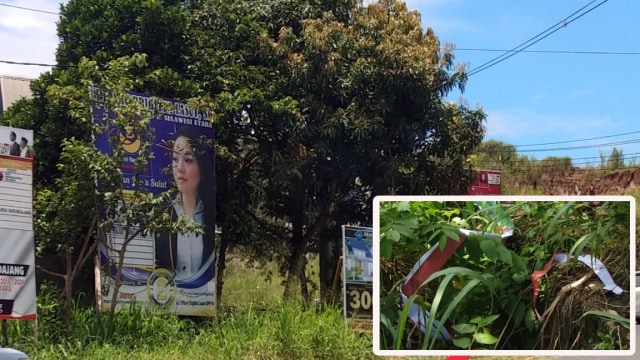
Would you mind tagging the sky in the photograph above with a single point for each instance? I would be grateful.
(530, 98)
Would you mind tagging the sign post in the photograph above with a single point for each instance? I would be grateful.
(357, 275)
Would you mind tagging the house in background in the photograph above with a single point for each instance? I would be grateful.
(12, 89)
(358, 260)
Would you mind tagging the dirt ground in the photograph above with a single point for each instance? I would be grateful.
(576, 182)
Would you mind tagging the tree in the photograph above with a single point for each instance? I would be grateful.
(616, 159)
(369, 91)
(308, 96)
(495, 155)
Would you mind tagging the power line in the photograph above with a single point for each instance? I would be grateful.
(554, 51)
(30, 9)
(25, 63)
(534, 40)
(578, 140)
(567, 148)
(625, 142)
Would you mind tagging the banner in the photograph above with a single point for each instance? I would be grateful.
(357, 274)
(17, 257)
(171, 271)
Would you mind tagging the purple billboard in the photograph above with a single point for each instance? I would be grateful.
(174, 271)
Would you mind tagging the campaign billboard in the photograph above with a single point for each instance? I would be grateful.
(171, 271)
(357, 274)
(17, 257)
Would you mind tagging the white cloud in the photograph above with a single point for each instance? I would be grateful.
(28, 36)
(528, 126)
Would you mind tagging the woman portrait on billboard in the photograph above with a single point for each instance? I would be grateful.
(184, 254)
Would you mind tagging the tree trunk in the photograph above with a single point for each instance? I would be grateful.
(300, 238)
(224, 245)
(297, 245)
(68, 290)
(304, 286)
(327, 268)
(118, 281)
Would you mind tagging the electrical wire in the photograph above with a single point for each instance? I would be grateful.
(591, 146)
(25, 63)
(534, 40)
(579, 147)
(29, 9)
(578, 140)
(554, 51)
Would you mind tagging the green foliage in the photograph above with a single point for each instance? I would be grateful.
(284, 332)
(483, 289)
(307, 97)
(616, 159)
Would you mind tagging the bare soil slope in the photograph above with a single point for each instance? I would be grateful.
(574, 182)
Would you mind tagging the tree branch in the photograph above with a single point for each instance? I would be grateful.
(52, 273)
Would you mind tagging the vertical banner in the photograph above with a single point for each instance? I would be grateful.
(17, 257)
(171, 271)
(357, 274)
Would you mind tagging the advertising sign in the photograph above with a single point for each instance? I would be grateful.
(17, 257)
(357, 274)
(486, 182)
(171, 271)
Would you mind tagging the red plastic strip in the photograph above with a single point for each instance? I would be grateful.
(535, 281)
(432, 264)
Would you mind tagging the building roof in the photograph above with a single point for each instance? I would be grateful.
(353, 243)
(12, 89)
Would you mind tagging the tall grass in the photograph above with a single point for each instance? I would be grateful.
(254, 323)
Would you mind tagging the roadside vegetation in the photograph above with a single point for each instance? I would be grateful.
(484, 290)
(254, 323)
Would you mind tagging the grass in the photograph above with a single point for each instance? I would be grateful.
(254, 324)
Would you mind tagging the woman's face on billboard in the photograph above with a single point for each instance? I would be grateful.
(186, 170)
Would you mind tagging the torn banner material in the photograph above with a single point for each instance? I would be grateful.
(432, 261)
(595, 264)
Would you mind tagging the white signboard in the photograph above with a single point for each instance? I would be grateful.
(17, 258)
(493, 179)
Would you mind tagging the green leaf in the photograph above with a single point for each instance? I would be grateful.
(530, 320)
(577, 248)
(403, 206)
(442, 243)
(393, 234)
(504, 254)
(464, 328)
(451, 233)
(518, 314)
(473, 249)
(452, 305)
(385, 249)
(489, 248)
(518, 263)
(484, 338)
(406, 226)
(487, 320)
(609, 315)
(462, 342)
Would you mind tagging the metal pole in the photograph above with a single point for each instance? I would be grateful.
(5, 336)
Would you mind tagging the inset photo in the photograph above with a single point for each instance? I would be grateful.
(504, 275)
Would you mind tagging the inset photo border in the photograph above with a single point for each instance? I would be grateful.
(504, 275)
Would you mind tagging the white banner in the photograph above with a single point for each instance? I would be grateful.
(17, 258)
